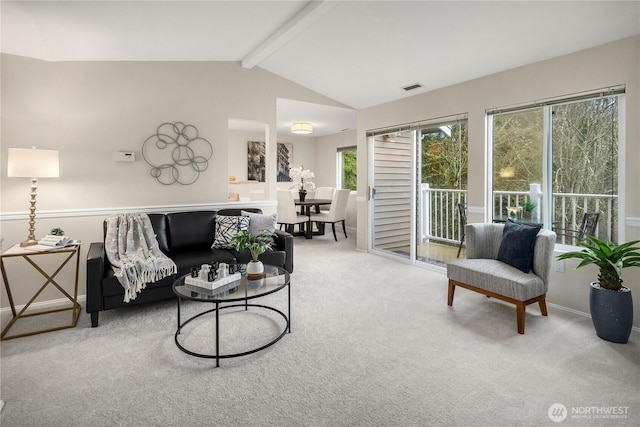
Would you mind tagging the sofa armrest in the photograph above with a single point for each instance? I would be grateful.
(543, 254)
(284, 242)
(483, 240)
(95, 274)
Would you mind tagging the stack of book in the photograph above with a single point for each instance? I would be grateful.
(51, 243)
(55, 241)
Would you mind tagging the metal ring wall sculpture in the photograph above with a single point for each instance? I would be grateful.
(176, 153)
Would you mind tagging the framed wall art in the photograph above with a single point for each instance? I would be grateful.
(256, 161)
(284, 161)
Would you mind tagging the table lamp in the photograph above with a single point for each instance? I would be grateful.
(32, 163)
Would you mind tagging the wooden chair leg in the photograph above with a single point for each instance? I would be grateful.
(520, 316)
(333, 227)
(543, 306)
(452, 289)
(344, 228)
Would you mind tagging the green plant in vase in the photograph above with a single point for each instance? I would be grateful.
(302, 181)
(608, 257)
(528, 207)
(610, 302)
(256, 245)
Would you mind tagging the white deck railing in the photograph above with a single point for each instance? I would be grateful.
(440, 220)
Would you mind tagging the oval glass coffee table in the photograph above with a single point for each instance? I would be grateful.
(240, 293)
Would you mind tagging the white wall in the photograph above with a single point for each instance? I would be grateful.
(609, 65)
(90, 110)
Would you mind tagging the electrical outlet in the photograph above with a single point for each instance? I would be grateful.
(560, 266)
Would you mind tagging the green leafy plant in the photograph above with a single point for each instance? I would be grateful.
(609, 257)
(57, 231)
(528, 205)
(256, 244)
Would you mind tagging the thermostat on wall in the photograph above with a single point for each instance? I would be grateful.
(125, 156)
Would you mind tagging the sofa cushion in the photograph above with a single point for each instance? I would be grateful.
(496, 276)
(159, 224)
(185, 261)
(226, 227)
(190, 230)
(111, 286)
(259, 222)
(516, 248)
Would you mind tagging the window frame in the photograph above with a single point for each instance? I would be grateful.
(547, 166)
(339, 164)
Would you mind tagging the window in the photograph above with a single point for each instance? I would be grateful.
(560, 159)
(348, 168)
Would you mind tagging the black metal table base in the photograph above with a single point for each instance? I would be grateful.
(217, 355)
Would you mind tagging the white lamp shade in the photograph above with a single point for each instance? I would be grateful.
(32, 163)
(301, 128)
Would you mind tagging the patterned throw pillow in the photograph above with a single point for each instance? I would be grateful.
(226, 228)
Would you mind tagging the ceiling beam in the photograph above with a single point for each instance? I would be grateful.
(287, 32)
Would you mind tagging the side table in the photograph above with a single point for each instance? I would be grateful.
(31, 257)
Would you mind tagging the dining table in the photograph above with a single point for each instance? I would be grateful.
(307, 208)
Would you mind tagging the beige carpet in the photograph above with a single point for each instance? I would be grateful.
(373, 343)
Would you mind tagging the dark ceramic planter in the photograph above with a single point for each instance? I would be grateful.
(612, 313)
(302, 195)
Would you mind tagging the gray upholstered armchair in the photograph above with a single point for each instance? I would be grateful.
(483, 272)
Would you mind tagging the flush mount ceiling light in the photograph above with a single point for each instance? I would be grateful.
(301, 128)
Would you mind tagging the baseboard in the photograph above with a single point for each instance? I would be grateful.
(582, 313)
(44, 305)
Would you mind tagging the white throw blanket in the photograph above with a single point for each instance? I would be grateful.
(132, 250)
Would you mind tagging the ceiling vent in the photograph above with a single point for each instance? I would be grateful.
(412, 87)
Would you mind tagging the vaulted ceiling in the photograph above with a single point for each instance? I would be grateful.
(360, 53)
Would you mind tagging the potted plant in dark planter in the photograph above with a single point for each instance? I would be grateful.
(610, 302)
(258, 244)
(528, 207)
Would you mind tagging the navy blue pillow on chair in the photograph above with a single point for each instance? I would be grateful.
(518, 241)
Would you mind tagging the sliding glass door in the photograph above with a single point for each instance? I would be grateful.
(442, 194)
(393, 192)
(419, 179)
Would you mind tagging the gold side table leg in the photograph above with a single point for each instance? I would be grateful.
(50, 279)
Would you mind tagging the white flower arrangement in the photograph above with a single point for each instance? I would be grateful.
(302, 179)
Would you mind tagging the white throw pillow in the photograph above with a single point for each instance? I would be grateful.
(226, 228)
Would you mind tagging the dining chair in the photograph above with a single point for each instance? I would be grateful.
(337, 212)
(588, 227)
(287, 214)
(462, 213)
(325, 193)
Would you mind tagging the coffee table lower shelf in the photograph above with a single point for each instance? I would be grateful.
(217, 355)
